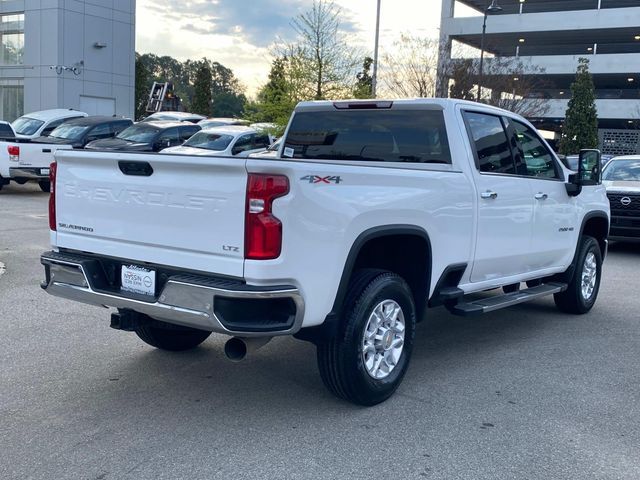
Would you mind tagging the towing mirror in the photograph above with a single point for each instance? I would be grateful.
(589, 172)
(589, 167)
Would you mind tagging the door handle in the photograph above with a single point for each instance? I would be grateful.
(541, 196)
(489, 195)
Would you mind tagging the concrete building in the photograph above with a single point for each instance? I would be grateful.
(554, 34)
(67, 54)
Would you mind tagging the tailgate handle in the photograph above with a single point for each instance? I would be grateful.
(46, 150)
(137, 169)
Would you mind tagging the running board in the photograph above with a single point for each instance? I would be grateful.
(490, 304)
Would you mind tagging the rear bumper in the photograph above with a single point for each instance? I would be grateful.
(29, 173)
(219, 305)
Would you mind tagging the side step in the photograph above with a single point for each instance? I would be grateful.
(490, 304)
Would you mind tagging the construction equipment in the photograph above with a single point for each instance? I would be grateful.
(162, 98)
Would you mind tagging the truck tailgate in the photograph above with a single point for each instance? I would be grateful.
(39, 155)
(187, 213)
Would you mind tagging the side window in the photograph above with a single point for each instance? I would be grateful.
(261, 141)
(169, 138)
(491, 143)
(52, 126)
(537, 158)
(242, 144)
(118, 127)
(100, 131)
(187, 132)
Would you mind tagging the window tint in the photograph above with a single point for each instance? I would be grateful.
(118, 127)
(416, 136)
(188, 131)
(261, 141)
(51, 127)
(101, 131)
(170, 136)
(538, 160)
(6, 131)
(491, 143)
(243, 144)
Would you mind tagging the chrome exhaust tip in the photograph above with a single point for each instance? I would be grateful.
(237, 348)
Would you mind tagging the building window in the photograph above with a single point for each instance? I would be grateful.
(11, 99)
(11, 39)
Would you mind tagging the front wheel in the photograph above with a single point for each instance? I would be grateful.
(366, 361)
(584, 284)
(166, 336)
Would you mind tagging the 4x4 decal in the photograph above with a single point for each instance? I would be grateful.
(318, 179)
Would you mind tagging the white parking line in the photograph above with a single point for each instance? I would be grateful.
(2, 268)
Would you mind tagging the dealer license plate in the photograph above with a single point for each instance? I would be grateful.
(139, 280)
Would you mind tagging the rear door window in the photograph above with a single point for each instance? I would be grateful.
(379, 135)
(491, 143)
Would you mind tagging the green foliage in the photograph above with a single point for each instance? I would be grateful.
(364, 82)
(143, 85)
(202, 91)
(277, 99)
(183, 75)
(580, 128)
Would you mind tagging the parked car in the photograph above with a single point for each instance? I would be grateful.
(148, 137)
(231, 141)
(6, 131)
(221, 122)
(42, 123)
(29, 160)
(81, 131)
(621, 176)
(174, 117)
(571, 161)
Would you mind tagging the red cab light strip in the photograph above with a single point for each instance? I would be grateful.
(263, 231)
(53, 170)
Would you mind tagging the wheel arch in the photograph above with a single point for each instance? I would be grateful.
(407, 253)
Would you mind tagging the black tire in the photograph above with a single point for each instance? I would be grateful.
(166, 336)
(514, 287)
(45, 185)
(572, 300)
(341, 359)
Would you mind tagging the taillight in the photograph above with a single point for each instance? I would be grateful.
(53, 169)
(14, 153)
(263, 231)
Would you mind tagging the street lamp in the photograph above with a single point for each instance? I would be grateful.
(374, 80)
(490, 10)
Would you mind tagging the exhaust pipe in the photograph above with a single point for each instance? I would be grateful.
(237, 348)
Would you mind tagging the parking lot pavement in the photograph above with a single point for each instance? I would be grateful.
(525, 393)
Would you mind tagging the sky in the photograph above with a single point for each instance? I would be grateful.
(240, 33)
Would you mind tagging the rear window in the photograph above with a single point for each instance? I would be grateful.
(414, 136)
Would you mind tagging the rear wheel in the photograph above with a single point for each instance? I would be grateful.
(166, 336)
(366, 361)
(45, 185)
(584, 284)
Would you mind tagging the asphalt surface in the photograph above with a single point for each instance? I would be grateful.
(525, 393)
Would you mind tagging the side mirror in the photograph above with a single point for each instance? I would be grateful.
(589, 172)
(589, 167)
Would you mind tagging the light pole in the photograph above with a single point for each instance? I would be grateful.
(490, 10)
(374, 79)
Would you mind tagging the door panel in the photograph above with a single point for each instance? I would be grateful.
(505, 203)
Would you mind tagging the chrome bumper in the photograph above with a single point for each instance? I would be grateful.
(187, 300)
(28, 173)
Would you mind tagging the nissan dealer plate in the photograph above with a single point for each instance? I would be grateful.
(139, 280)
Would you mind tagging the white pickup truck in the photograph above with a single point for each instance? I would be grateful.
(374, 212)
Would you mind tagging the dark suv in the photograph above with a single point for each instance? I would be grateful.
(81, 131)
(148, 137)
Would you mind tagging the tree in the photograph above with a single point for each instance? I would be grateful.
(411, 68)
(462, 80)
(364, 82)
(580, 129)
(143, 86)
(276, 99)
(202, 91)
(322, 60)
